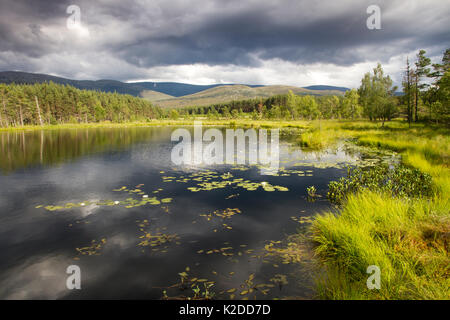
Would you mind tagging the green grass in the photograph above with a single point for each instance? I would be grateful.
(165, 122)
(408, 239)
(319, 135)
(105, 124)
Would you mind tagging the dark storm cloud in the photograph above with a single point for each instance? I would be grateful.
(337, 37)
(145, 34)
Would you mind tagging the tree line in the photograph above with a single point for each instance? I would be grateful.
(426, 88)
(50, 103)
(283, 107)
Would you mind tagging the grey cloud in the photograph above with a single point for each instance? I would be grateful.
(242, 33)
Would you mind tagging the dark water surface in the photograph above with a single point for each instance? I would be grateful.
(40, 231)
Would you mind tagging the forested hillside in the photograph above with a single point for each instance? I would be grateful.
(51, 103)
(133, 88)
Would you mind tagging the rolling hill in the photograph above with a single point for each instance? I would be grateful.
(226, 93)
(154, 96)
(177, 89)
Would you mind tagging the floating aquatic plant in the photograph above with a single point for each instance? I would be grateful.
(280, 280)
(311, 193)
(224, 214)
(201, 287)
(303, 220)
(249, 286)
(289, 254)
(157, 239)
(93, 249)
(127, 203)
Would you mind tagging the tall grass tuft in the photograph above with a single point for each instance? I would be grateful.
(406, 239)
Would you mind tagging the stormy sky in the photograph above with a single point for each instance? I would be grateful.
(292, 42)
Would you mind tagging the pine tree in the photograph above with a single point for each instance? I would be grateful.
(421, 71)
(407, 83)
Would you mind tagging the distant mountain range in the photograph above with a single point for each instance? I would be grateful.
(343, 89)
(172, 94)
(134, 88)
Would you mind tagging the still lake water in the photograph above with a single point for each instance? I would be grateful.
(58, 208)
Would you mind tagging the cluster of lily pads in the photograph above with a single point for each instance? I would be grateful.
(238, 182)
(283, 172)
(141, 199)
(208, 180)
(203, 175)
(303, 220)
(132, 202)
(291, 253)
(93, 249)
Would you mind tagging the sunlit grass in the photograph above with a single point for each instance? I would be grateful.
(166, 122)
(406, 239)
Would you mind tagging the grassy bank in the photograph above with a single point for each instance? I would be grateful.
(407, 238)
(105, 124)
(166, 122)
